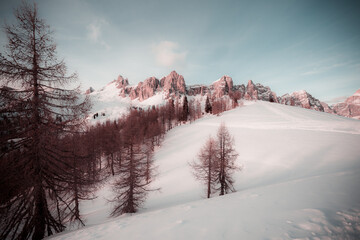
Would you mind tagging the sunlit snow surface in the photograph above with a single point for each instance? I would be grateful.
(300, 180)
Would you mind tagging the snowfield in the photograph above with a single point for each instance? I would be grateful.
(300, 180)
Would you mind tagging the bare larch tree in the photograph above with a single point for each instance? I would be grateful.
(39, 110)
(206, 168)
(136, 170)
(226, 156)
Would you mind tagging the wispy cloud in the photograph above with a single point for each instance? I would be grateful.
(336, 100)
(323, 69)
(94, 33)
(167, 54)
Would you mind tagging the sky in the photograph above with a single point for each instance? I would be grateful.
(288, 45)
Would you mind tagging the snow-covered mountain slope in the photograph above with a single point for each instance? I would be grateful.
(300, 180)
(109, 104)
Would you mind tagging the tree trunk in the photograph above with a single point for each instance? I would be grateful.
(112, 164)
(40, 211)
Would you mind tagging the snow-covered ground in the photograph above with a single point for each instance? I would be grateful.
(300, 180)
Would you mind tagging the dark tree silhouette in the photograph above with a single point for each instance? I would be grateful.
(185, 110)
(111, 144)
(136, 171)
(226, 156)
(207, 168)
(40, 111)
(82, 184)
(208, 108)
(170, 112)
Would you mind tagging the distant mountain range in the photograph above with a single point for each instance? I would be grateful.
(174, 85)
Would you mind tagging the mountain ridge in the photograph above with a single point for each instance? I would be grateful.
(174, 86)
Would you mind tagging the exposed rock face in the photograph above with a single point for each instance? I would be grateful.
(148, 88)
(145, 89)
(239, 91)
(354, 99)
(326, 107)
(173, 83)
(349, 108)
(222, 86)
(251, 91)
(286, 99)
(302, 99)
(265, 93)
(197, 89)
(259, 92)
(121, 82)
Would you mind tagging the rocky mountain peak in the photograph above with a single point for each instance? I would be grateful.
(145, 89)
(121, 82)
(251, 91)
(354, 99)
(222, 86)
(173, 83)
(349, 108)
(259, 92)
(302, 99)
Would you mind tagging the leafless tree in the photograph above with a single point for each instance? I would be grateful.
(136, 171)
(226, 156)
(206, 169)
(40, 109)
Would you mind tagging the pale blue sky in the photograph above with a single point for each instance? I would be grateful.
(287, 45)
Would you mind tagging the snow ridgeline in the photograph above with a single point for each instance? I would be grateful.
(300, 181)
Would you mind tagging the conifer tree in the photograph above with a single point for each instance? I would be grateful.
(208, 108)
(170, 112)
(41, 110)
(185, 110)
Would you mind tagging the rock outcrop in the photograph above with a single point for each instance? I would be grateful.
(302, 99)
(146, 89)
(196, 90)
(173, 83)
(251, 91)
(265, 93)
(354, 99)
(121, 82)
(305, 100)
(222, 86)
(287, 99)
(259, 92)
(349, 108)
(327, 108)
